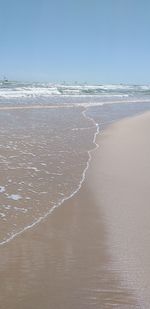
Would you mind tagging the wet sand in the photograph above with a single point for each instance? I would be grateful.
(86, 254)
(122, 185)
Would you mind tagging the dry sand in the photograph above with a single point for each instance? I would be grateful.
(93, 251)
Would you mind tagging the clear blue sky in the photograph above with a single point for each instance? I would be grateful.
(104, 41)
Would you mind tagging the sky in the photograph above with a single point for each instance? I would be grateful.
(93, 41)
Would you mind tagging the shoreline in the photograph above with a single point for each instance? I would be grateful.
(13, 106)
(72, 259)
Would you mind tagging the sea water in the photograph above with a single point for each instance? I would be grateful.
(46, 135)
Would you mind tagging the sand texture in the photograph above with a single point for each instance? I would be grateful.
(121, 185)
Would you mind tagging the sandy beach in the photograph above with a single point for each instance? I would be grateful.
(93, 250)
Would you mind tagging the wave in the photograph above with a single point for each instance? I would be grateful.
(17, 90)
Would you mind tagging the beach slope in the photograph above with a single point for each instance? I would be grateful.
(120, 180)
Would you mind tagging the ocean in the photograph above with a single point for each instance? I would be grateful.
(47, 133)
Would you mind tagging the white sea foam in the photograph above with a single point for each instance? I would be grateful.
(2, 215)
(14, 197)
(24, 210)
(2, 189)
(7, 207)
